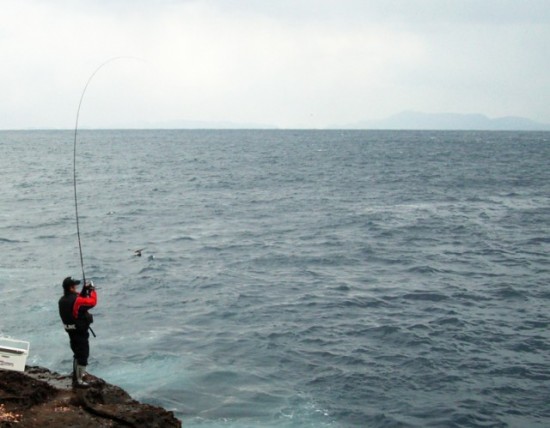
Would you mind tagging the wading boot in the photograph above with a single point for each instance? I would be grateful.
(78, 376)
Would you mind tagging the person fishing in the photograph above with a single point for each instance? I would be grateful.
(73, 310)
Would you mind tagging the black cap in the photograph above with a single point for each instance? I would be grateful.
(69, 282)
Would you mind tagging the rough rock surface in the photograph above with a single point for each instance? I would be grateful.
(41, 398)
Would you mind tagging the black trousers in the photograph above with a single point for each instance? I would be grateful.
(80, 346)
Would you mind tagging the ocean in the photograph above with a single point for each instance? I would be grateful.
(291, 278)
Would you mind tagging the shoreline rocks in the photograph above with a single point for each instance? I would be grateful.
(39, 397)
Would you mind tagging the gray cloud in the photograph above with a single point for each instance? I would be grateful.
(289, 63)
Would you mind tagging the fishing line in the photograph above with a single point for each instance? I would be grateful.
(74, 157)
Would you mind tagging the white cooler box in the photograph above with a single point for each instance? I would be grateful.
(13, 354)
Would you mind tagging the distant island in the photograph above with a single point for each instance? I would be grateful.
(448, 121)
(406, 120)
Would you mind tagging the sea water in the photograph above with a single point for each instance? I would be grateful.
(291, 278)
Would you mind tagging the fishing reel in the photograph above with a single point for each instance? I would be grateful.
(89, 285)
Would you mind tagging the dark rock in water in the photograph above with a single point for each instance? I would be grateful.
(40, 398)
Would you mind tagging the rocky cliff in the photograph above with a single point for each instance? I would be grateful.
(41, 398)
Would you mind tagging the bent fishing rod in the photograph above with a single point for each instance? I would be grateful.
(74, 158)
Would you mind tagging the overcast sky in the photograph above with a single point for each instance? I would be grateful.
(286, 63)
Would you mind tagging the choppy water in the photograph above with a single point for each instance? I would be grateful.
(292, 278)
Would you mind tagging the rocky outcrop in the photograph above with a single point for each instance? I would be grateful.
(41, 398)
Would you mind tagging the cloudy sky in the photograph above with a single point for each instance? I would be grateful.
(285, 63)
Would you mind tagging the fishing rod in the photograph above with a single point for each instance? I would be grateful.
(74, 159)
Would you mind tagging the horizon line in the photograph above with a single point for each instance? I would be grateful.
(269, 129)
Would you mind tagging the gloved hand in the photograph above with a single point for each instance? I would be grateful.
(88, 287)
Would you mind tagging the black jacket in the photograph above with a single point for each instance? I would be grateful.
(73, 310)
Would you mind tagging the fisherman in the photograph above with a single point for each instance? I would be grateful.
(73, 310)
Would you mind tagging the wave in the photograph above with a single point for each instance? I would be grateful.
(425, 296)
(11, 241)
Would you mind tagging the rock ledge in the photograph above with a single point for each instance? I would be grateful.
(41, 398)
